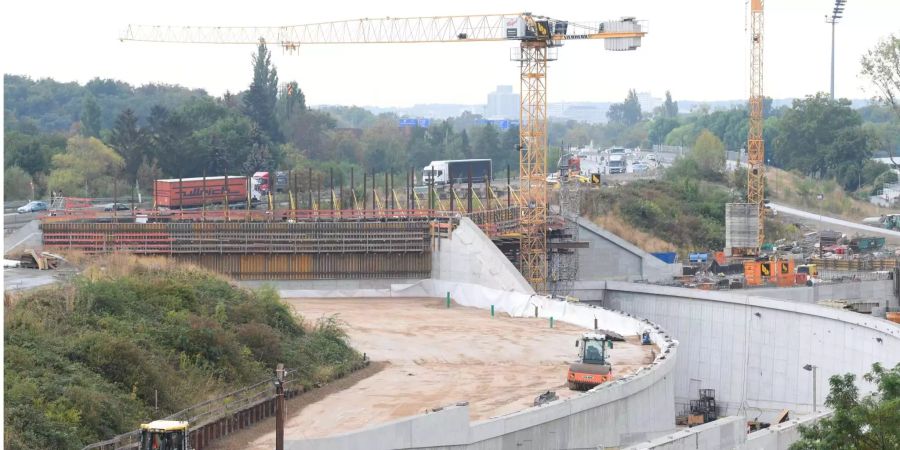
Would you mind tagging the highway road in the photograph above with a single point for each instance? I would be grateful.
(833, 221)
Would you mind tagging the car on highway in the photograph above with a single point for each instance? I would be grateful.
(116, 206)
(651, 157)
(639, 167)
(33, 206)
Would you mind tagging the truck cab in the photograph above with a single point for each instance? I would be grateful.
(260, 186)
(617, 163)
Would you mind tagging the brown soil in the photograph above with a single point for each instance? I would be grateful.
(437, 356)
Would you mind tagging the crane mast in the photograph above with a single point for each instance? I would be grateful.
(755, 143)
(538, 37)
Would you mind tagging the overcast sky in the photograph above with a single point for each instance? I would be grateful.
(695, 48)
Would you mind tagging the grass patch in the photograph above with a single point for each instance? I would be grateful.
(800, 192)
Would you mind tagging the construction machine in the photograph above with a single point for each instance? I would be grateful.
(164, 435)
(593, 367)
(886, 221)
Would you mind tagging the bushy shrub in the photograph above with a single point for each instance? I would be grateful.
(87, 360)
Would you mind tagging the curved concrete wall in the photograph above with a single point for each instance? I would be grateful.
(751, 350)
(633, 409)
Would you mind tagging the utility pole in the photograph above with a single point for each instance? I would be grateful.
(279, 407)
(835, 16)
(812, 368)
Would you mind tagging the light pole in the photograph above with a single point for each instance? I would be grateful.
(810, 367)
(835, 16)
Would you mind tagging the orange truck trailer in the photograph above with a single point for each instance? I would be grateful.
(194, 192)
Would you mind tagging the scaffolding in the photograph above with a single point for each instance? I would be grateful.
(564, 257)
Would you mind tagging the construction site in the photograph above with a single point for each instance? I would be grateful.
(483, 299)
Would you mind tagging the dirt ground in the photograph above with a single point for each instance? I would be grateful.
(431, 356)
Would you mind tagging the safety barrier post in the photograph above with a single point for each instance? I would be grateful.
(448, 299)
(551, 321)
(492, 310)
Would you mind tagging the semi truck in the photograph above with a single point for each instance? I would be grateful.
(457, 171)
(617, 163)
(199, 191)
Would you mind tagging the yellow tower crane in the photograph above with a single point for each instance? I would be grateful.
(538, 37)
(755, 144)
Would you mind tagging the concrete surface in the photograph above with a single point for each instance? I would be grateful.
(19, 279)
(440, 356)
(728, 432)
(751, 350)
(815, 218)
(469, 256)
(880, 291)
(27, 236)
(610, 257)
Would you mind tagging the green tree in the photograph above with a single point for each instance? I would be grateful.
(881, 65)
(90, 117)
(660, 128)
(292, 100)
(486, 142)
(260, 99)
(628, 112)
(509, 149)
(87, 166)
(709, 154)
(684, 135)
(16, 183)
(868, 422)
(669, 109)
(819, 135)
(31, 152)
(130, 142)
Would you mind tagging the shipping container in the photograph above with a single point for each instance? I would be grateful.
(195, 192)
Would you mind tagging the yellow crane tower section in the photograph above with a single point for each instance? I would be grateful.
(538, 37)
(755, 144)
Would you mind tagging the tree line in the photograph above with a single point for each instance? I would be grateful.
(135, 135)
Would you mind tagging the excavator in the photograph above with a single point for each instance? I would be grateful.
(164, 435)
(593, 368)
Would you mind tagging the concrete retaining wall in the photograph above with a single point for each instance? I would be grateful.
(610, 257)
(880, 291)
(730, 432)
(469, 256)
(751, 350)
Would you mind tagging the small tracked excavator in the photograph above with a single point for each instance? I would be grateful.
(593, 367)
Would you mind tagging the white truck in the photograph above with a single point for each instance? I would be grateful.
(457, 171)
(617, 163)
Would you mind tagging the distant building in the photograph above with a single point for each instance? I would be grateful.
(648, 102)
(502, 104)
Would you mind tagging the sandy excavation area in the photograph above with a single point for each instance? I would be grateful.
(437, 356)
